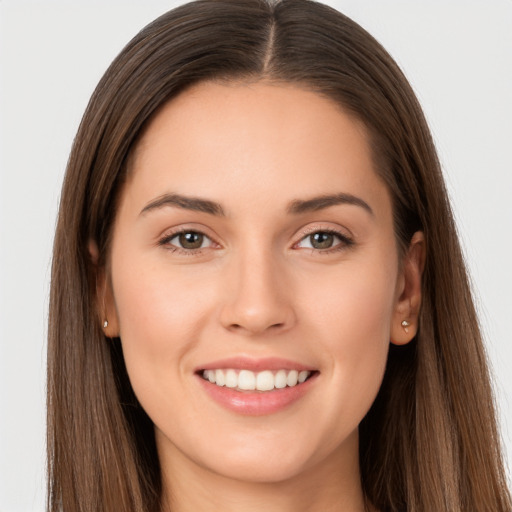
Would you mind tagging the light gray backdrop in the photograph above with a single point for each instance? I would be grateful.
(456, 53)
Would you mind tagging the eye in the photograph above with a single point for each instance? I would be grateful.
(190, 240)
(323, 240)
(186, 241)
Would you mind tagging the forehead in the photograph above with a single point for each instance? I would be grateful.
(259, 139)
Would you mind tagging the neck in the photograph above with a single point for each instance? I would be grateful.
(333, 485)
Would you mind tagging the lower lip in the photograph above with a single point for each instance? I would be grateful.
(257, 403)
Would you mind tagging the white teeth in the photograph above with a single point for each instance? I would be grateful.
(264, 381)
(220, 380)
(291, 380)
(303, 375)
(247, 380)
(231, 379)
(280, 379)
(210, 375)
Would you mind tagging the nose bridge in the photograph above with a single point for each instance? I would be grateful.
(257, 297)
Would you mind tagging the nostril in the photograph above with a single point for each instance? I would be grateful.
(256, 329)
(253, 318)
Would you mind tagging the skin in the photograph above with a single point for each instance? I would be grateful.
(258, 287)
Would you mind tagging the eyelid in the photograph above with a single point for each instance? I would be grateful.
(345, 236)
(168, 235)
(327, 227)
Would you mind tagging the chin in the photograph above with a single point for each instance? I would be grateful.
(278, 459)
(265, 470)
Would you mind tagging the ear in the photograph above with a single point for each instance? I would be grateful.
(105, 305)
(404, 324)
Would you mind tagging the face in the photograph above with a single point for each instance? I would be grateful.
(255, 280)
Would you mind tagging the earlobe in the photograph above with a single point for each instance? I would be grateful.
(94, 252)
(105, 306)
(108, 318)
(404, 325)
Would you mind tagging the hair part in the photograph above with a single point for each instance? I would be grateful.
(430, 441)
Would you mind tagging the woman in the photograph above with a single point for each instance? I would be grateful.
(258, 296)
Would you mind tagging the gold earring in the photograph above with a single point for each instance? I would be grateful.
(405, 325)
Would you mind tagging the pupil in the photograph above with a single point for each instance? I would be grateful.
(191, 240)
(321, 240)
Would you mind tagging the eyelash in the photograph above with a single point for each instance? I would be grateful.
(345, 241)
(165, 242)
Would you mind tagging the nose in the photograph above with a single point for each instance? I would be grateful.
(258, 297)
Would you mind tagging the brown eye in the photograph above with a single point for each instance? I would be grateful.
(190, 240)
(321, 240)
(325, 241)
(187, 242)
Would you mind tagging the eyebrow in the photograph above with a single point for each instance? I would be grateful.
(325, 201)
(295, 207)
(188, 203)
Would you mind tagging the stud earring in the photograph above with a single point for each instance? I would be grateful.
(405, 325)
(105, 324)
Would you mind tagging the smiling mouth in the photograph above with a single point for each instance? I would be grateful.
(247, 380)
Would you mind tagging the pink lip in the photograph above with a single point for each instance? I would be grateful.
(255, 365)
(255, 403)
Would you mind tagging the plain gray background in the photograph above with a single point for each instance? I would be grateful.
(458, 57)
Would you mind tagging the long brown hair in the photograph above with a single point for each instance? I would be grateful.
(429, 442)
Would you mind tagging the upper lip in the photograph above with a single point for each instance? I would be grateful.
(255, 364)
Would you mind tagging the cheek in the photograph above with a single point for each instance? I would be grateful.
(154, 297)
(350, 317)
(161, 316)
(353, 305)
